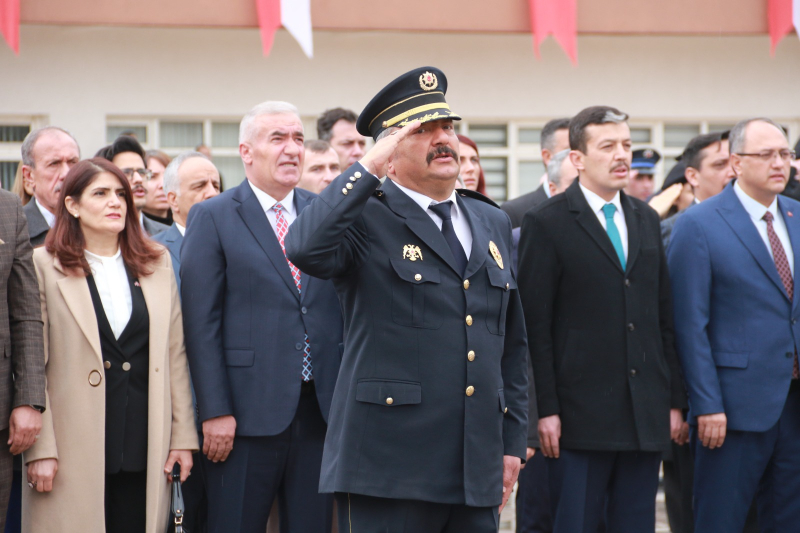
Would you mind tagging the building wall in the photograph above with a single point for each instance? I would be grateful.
(85, 78)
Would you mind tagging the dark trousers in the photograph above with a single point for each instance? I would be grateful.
(534, 513)
(368, 514)
(126, 502)
(587, 484)
(678, 480)
(6, 476)
(14, 514)
(259, 469)
(767, 463)
(194, 497)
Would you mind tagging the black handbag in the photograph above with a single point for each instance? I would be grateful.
(178, 508)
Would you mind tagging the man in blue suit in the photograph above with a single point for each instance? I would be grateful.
(264, 340)
(189, 179)
(732, 265)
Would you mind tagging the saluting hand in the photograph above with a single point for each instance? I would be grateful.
(549, 435)
(375, 160)
(711, 429)
(218, 436)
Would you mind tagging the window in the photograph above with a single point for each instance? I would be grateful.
(8, 172)
(140, 132)
(185, 135)
(11, 133)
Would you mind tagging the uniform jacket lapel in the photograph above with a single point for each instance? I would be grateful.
(588, 221)
(418, 222)
(633, 222)
(75, 290)
(480, 238)
(739, 220)
(256, 220)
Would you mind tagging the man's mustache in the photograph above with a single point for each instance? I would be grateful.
(442, 150)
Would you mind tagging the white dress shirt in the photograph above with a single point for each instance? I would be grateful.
(115, 291)
(596, 204)
(268, 202)
(49, 217)
(182, 229)
(459, 219)
(756, 211)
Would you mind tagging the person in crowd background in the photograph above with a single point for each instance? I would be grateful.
(128, 155)
(264, 339)
(641, 182)
(554, 138)
(320, 166)
(338, 127)
(119, 411)
(47, 156)
(156, 206)
(595, 290)
(732, 264)
(471, 172)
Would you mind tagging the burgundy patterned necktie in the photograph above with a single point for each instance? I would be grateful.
(281, 228)
(782, 264)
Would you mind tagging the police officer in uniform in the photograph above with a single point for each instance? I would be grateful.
(429, 418)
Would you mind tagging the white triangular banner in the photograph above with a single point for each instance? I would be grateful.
(296, 18)
(796, 15)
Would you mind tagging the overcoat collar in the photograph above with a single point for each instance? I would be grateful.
(588, 220)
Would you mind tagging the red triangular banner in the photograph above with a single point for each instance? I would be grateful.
(9, 23)
(779, 15)
(269, 20)
(558, 18)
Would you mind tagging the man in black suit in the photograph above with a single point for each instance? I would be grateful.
(263, 337)
(47, 155)
(428, 423)
(595, 290)
(554, 138)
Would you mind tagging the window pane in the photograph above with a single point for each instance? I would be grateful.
(495, 172)
(8, 171)
(679, 135)
(224, 135)
(230, 170)
(489, 135)
(139, 132)
(181, 134)
(530, 135)
(13, 134)
(719, 128)
(530, 176)
(640, 135)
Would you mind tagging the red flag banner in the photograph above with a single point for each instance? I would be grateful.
(9, 23)
(269, 20)
(558, 18)
(779, 14)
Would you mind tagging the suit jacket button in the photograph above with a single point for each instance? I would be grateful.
(469, 320)
(389, 401)
(357, 174)
(418, 277)
(107, 364)
(633, 372)
(352, 178)
(349, 186)
(505, 410)
(627, 283)
(466, 284)
(95, 378)
(470, 390)
(299, 346)
(126, 366)
(344, 191)
(304, 310)
(789, 355)
(631, 327)
(471, 355)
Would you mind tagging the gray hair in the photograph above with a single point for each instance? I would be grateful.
(736, 138)
(386, 132)
(172, 182)
(554, 167)
(28, 158)
(264, 108)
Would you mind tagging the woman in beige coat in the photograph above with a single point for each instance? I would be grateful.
(112, 342)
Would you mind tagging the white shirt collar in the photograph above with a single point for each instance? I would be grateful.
(597, 203)
(425, 201)
(181, 229)
(102, 259)
(49, 217)
(268, 202)
(755, 209)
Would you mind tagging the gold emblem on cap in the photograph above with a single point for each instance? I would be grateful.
(496, 253)
(412, 252)
(428, 81)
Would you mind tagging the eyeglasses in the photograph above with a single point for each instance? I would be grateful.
(145, 173)
(769, 155)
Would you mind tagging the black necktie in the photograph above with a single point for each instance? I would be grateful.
(443, 210)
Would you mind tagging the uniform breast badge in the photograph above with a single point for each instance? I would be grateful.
(496, 254)
(412, 252)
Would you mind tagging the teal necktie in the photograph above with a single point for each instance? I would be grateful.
(613, 232)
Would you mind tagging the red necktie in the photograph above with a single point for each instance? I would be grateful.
(782, 264)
